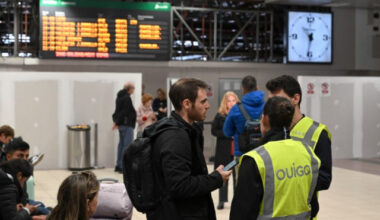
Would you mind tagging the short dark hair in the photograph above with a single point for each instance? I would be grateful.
(7, 131)
(249, 83)
(17, 165)
(185, 88)
(287, 83)
(16, 144)
(280, 112)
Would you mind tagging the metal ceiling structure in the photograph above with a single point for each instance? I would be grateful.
(368, 4)
(217, 34)
(23, 13)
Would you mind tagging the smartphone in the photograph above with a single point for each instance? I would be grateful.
(231, 165)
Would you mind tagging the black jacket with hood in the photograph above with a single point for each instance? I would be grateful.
(182, 171)
(10, 196)
(125, 113)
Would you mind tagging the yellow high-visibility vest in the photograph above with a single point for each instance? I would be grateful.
(289, 173)
(308, 131)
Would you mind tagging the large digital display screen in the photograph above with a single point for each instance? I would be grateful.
(99, 29)
(309, 37)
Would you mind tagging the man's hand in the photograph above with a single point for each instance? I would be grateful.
(115, 127)
(163, 110)
(32, 208)
(19, 206)
(225, 174)
(39, 217)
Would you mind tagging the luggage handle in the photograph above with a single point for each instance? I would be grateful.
(108, 180)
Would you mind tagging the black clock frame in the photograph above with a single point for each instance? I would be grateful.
(287, 38)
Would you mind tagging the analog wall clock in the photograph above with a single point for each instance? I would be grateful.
(309, 37)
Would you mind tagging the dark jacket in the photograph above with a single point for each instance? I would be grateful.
(10, 196)
(253, 103)
(3, 157)
(182, 171)
(223, 144)
(158, 103)
(125, 113)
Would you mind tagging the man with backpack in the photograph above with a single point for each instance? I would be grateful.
(235, 124)
(180, 179)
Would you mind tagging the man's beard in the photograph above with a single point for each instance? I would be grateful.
(194, 115)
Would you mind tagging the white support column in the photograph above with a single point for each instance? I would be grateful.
(7, 102)
(65, 117)
(357, 137)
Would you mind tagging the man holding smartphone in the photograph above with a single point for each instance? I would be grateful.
(178, 157)
(277, 179)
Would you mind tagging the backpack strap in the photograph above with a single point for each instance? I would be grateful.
(244, 112)
(162, 131)
(164, 194)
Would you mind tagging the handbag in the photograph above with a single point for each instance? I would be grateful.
(113, 201)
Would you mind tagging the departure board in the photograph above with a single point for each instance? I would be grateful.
(99, 29)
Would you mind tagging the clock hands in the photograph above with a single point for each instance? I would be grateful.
(308, 53)
(309, 34)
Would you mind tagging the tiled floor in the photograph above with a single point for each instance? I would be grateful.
(352, 195)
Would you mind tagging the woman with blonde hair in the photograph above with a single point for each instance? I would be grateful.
(77, 197)
(223, 144)
(145, 114)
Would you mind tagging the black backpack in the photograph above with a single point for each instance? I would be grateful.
(251, 135)
(140, 177)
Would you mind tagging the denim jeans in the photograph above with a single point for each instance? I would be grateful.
(126, 137)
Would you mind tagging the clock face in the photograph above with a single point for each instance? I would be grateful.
(309, 37)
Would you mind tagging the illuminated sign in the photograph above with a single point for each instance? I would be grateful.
(104, 30)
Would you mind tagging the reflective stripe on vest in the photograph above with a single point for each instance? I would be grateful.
(269, 188)
(307, 141)
(308, 138)
(308, 131)
(302, 216)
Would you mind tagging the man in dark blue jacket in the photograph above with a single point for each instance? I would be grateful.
(253, 102)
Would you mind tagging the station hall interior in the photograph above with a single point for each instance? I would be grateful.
(47, 84)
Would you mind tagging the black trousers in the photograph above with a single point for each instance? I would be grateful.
(223, 192)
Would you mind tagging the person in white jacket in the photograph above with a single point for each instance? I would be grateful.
(145, 114)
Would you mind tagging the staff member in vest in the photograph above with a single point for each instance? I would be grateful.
(278, 178)
(305, 129)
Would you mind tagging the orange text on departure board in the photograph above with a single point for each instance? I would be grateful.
(149, 32)
(59, 35)
(121, 36)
